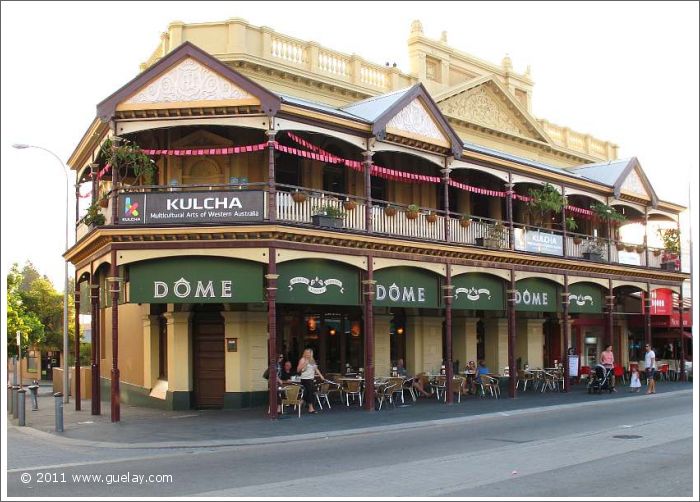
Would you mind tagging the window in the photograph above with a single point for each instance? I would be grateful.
(288, 172)
(31, 362)
(378, 187)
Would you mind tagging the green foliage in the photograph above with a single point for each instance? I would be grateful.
(544, 202)
(129, 156)
(671, 238)
(19, 317)
(571, 224)
(330, 211)
(595, 246)
(93, 216)
(413, 208)
(608, 213)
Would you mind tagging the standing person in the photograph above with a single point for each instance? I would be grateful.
(635, 384)
(607, 359)
(309, 369)
(650, 368)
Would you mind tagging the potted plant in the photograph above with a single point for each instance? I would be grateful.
(93, 216)
(412, 211)
(657, 252)
(544, 202)
(328, 216)
(571, 224)
(350, 204)
(298, 196)
(495, 236)
(608, 214)
(390, 210)
(672, 247)
(594, 249)
(128, 156)
(465, 221)
(103, 199)
(431, 217)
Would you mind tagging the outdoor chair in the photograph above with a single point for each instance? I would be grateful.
(490, 385)
(619, 373)
(322, 390)
(663, 372)
(456, 387)
(397, 387)
(352, 388)
(384, 392)
(293, 395)
(525, 377)
(407, 385)
(440, 385)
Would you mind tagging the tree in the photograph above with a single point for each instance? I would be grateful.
(19, 317)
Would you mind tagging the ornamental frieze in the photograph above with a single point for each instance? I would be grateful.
(414, 118)
(478, 106)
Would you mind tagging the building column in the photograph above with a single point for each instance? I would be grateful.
(382, 344)
(423, 343)
(509, 214)
(368, 286)
(464, 339)
(446, 197)
(510, 306)
(566, 328)
(272, 277)
(609, 311)
(646, 235)
(151, 349)
(115, 282)
(682, 376)
(179, 351)
(530, 342)
(95, 344)
(564, 230)
(367, 166)
(271, 187)
(448, 330)
(77, 346)
(647, 316)
(496, 343)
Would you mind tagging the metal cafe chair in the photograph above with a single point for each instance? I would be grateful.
(293, 395)
(352, 388)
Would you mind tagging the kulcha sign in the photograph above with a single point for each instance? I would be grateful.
(190, 207)
(318, 282)
(194, 279)
(406, 287)
(585, 298)
(478, 292)
(535, 241)
(536, 295)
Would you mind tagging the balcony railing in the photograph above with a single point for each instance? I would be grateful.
(297, 205)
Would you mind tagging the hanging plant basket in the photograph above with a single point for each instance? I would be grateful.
(104, 202)
(464, 223)
(657, 252)
(431, 217)
(620, 246)
(299, 197)
(350, 204)
(390, 211)
(578, 240)
(640, 248)
(412, 215)
(629, 248)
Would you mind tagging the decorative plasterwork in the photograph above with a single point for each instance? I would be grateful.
(480, 107)
(634, 184)
(415, 120)
(188, 82)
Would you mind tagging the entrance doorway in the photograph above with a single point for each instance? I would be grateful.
(208, 352)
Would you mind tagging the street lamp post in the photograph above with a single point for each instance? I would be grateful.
(66, 389)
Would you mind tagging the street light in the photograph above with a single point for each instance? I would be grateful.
(66, 390)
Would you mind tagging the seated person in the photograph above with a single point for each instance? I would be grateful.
(482, 369)
(400, 368)
(420, 382)
(286, 373)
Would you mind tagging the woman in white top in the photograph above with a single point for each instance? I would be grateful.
(309, 369)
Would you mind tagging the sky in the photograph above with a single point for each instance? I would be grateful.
(625, 72)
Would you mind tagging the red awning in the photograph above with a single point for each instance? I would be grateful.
(671, 334)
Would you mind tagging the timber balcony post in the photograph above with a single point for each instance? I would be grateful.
(367, 165)
(271, 188)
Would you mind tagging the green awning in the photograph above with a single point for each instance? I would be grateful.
(318, 282)
(407, 287)
(536, 295)
(585, 298)
(196, 279)
(478, 292)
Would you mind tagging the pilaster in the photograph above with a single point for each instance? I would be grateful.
(496, 343)
(179, 351)
(151, 349)
(382, 344)
(423, 343)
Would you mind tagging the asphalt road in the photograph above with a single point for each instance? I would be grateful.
(631, 447)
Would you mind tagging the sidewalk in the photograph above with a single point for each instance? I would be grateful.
(149, 428)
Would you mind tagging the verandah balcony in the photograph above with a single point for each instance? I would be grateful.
(394, 219)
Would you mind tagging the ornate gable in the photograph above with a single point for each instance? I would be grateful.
(485, 103)
(415, 121)
(186, 84)
(634, 185)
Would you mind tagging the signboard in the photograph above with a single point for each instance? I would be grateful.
(406, 287)
(661, 302)
(573, 365)
(478, 292)
(158, 208)
(318, 282)
(194, 279)
(536, 241)
(629, 258)
(536, 295)
(585, 298)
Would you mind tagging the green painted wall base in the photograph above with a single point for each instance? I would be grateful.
(133, 395)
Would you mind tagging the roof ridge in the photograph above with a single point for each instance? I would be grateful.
(374, 98)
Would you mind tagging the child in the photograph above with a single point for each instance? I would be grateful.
(635, 384)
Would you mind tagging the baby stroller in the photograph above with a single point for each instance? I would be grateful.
(600, 380)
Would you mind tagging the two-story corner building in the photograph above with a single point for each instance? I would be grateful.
(308, 198)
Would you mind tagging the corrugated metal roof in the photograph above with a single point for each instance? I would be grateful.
(313, 105)
(607, 173)
(521, 160)
(371, 108)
